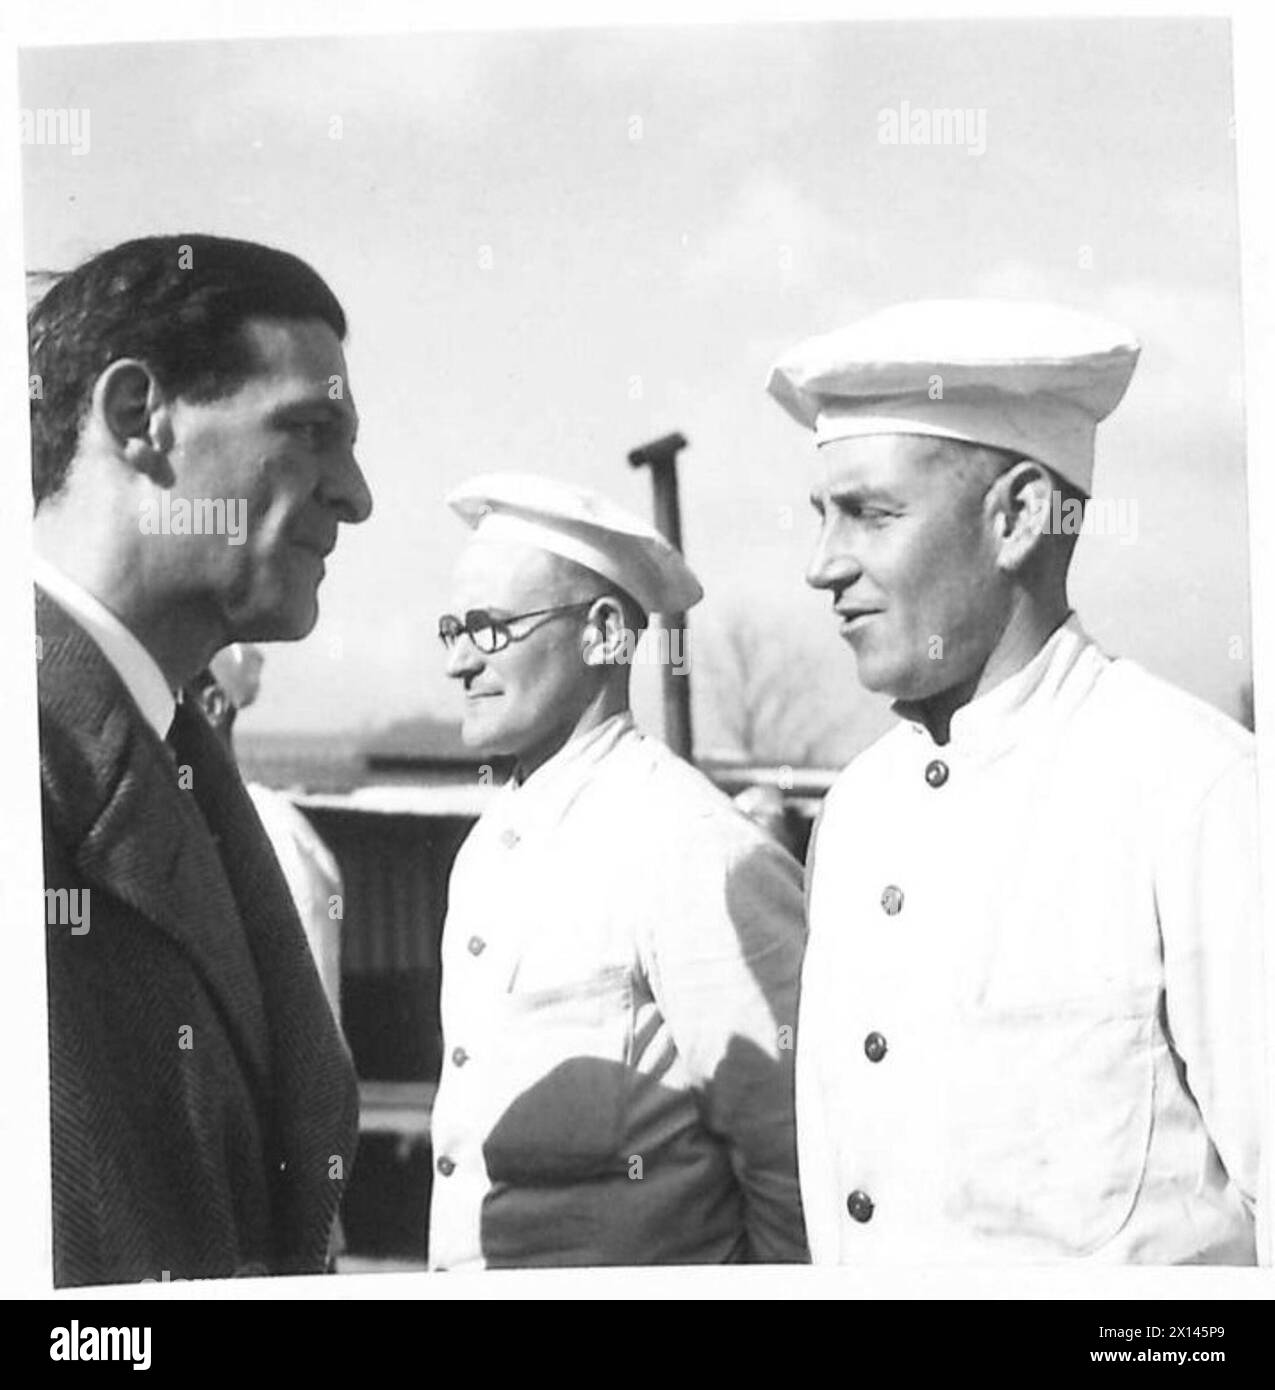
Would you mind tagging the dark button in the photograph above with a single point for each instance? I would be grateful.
(892, 900)
(459, 1056)
(476, 945)
(874, 1045)
(936, 773)
(859, 1205)
(447, 1166)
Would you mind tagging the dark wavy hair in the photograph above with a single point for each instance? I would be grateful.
(177, 303)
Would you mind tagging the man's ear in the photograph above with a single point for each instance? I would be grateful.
(605, 636)
(1023, 495)
(131, 410)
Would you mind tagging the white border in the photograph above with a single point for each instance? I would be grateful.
(24, 1114)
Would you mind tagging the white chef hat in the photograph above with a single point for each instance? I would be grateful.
(583, 526)
(1034, 379)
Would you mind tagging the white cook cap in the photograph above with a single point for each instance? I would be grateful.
(1034, 379)
(583, 526)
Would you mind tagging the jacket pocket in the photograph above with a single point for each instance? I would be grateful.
(1052, 1153)
(564, 1057)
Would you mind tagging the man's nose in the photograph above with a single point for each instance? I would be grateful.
(346, 489)
(463, 657)
(833, 565)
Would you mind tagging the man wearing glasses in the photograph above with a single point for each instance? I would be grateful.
(622, 948)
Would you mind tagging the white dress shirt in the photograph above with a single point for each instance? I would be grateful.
(620, 964)
(134, 665)
(1031, 1011)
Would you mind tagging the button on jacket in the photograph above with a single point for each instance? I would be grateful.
(620, 968)
(1031, 1007)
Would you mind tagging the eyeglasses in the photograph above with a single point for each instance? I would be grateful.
(490, 634)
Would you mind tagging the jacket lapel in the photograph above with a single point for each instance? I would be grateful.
(315, 1116)
(112, 797)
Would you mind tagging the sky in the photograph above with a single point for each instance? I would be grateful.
(553, 246)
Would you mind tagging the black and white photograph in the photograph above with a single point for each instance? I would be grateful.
(646, 655)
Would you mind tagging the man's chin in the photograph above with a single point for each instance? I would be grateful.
(878, 678)
(285, 623)
(875, 675)
(480, 737)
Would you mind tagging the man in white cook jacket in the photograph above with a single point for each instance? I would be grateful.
(1032, 1016)
(622, 947)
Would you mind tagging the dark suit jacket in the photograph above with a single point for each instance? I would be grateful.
(204, 1110)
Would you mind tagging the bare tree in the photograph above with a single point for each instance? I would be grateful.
(772, 693)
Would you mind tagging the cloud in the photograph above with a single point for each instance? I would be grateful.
(448, 82)
(1191, 336)
(774, 237)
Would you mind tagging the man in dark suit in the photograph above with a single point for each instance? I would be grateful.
(193, 458)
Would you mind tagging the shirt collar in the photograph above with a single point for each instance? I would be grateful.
(134, 665)
(546, 793)
(1000, 717)
(577, 755)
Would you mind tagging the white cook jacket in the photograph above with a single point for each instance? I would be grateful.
(1051, 925)
(313, 877)
(620, 967)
